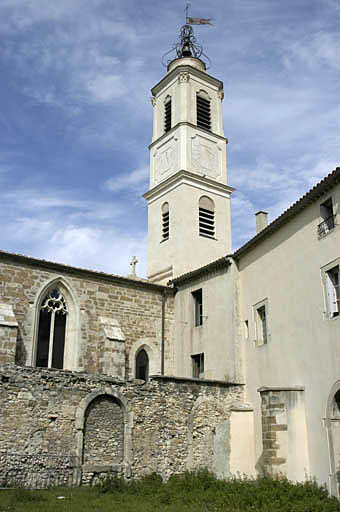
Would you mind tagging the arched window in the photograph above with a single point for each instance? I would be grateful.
(336, 405)
(51, 330)
(203, 111)
(142, 365)
(167, 114)
(206, 215)
(165, 221)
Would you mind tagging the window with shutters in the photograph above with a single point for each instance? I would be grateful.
(203, 112)
(165, 222)
(51, 330)
(167, 114)
(332, 284)
(206, 217)
(198, 366)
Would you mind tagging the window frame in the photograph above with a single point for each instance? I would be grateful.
(72, 332)
(167, 125)
(332, 312)
(203, 111)
(165, 216)
(327, 217)
(262, 336)
(54, 340)
(197, 362)
(206, 218)
(197, 296)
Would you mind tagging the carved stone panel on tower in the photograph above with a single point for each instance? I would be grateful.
(205, 156)
(166, 160)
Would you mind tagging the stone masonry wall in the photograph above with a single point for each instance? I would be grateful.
(167, 421)
(103, 432)
(136, 305)
(273, 408)
(284, 431)
(8, 334)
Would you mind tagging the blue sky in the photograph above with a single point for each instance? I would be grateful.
(76, 116)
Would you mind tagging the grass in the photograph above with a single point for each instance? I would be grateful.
(191, 492)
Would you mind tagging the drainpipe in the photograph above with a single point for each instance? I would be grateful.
(163, 332)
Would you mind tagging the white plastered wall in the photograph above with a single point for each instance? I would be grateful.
(303, 346)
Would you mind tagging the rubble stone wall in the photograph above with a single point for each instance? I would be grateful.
(166, 425)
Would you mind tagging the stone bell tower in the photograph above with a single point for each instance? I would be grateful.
(188, 200)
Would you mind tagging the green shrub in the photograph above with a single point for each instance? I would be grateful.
(197, 491)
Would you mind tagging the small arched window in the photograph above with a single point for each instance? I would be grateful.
(206, 215)
(142, 365)
(51, 330)
(165, 221)
(336, 405)
(203, 111)
(167, 114)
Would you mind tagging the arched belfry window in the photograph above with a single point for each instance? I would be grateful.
(206, 217)
(165, 221)
(142, 365)
(51, 330)
(167, 114)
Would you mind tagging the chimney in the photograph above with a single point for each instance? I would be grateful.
(261, 221)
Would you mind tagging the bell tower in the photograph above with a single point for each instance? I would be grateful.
(188, 199)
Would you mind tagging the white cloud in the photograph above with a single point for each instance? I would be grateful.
(99, 249)
(321, 48)
(105, 88)
(129, 180)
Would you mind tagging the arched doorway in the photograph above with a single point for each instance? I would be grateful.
(142, 365)
(103, 442)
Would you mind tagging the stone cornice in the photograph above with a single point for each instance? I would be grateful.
(189, 380)
(189, 69)
(12, 258)
(186, 123)
(189, 178)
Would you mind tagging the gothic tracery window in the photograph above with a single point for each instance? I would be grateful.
(51, 330)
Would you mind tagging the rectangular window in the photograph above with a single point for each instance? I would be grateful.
(167, 116)
(333, 291)
(203, 113)
(198, 304)
(262, 325)
(246, 329)
(261, 322)
(327, 216)
(198, 366)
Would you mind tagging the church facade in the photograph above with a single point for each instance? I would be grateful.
(229, 361)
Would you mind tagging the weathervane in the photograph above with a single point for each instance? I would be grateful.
(187, 46)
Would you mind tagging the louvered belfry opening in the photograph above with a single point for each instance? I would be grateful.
(165, 221)
(206, 214)
(167, 115)
(203, 113)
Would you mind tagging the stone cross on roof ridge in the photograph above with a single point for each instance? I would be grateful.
(133, 264)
